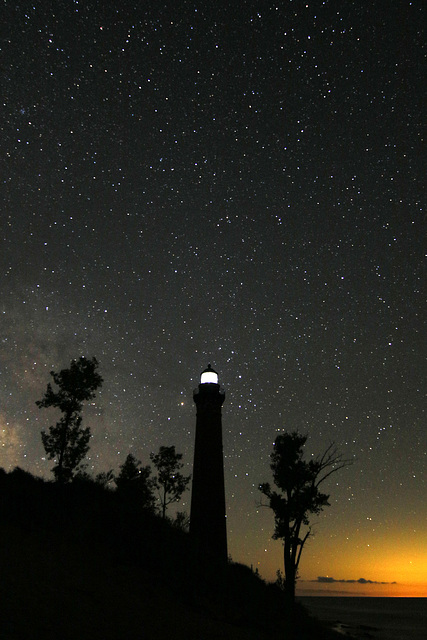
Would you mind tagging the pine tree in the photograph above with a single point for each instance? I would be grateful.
(134, 483)
(67, 442)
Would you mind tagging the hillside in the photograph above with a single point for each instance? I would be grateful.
(78, 562)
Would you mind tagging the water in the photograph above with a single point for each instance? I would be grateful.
(376, 618)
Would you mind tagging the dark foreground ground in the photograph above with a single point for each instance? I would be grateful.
(82, 565)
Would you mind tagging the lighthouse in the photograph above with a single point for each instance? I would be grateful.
(207, 518)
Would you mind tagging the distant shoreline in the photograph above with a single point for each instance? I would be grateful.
(400, 591)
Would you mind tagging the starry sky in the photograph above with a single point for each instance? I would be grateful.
(235, 183)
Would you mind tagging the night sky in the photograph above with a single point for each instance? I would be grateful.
(185, 183)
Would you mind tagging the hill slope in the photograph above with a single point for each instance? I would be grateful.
(79, 562)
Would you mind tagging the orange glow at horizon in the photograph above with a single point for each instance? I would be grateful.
(386, 566)
(397, 558)
(398, 555)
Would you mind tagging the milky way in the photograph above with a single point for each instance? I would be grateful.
(192, 182)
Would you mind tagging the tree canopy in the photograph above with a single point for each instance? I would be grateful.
(135, 483)
(67, 442)
(300, 496)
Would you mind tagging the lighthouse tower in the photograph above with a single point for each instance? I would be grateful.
(207, 518)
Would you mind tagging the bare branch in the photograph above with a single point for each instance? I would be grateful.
(303, 541)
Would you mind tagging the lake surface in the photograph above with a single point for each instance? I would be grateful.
(376, 618)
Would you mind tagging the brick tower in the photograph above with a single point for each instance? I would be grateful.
(207, 518)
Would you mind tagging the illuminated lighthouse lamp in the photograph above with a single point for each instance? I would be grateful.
(209, 376)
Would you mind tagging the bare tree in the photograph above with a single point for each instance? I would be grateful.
(300, 496)
(170, 482)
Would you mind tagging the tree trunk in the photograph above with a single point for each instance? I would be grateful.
(289, 571)
(60, 476)
(164, 503)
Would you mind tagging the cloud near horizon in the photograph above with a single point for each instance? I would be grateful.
(329, 580)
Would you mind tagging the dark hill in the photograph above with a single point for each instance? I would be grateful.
(80, 562)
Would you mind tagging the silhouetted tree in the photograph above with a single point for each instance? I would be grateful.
(170, 482)
(67, 442)
(300, 497)
(103, 479)
(182, 521)
(135, 482)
